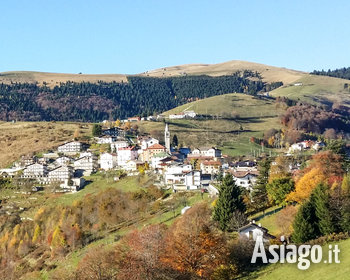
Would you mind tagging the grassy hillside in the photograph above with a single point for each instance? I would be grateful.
(319, 271)
(226, 115)
(53, 79)
(269, 73)
(316, 90)
(24, 138)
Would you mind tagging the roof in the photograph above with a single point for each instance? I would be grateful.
(161, 155)
(127, 148)
(252, 225)
(241, 174)
(156, 147)
(265, 230)
(211, 162)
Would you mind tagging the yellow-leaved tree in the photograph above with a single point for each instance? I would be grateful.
(305, 185)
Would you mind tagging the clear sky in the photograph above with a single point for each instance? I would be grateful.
(132, 36)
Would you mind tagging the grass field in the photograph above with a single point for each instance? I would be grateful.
(227, 115)
(319, 271)
(22, 138)
(316, 90)
(54, 79)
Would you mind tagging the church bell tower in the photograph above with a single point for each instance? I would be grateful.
(167, 137)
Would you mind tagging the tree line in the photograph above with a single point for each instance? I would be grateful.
(140, 96)
(343, 73)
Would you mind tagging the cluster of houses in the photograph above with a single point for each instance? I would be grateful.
(181, 169)
(186, 114)
(305, 145)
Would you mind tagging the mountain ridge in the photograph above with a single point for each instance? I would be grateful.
(269, 73)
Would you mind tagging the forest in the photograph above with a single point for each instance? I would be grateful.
(140, 96)
(343, 73)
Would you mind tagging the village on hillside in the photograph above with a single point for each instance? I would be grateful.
(176, 168)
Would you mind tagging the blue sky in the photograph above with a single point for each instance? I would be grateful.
(107, 36)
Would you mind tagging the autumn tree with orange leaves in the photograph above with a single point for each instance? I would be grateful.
(324, 167)
(193, 244)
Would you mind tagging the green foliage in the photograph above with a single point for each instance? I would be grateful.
(304, 224)
(343, 73)
(175, 141)
(140, 96)
(96, 130)
(314, 217)
(259, 195)
(321, 203)
(337, 147)
(230, 199)
(279, 188)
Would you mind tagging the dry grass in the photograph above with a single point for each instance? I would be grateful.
(54, 79)
(22, 138)
(269, 73)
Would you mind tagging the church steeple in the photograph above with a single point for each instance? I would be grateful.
(167, 137)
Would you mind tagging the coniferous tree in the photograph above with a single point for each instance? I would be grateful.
(345, 212)
(259, 195)
(175, 141)
(320, 200)
(304, 224)
(96, 130)
(230, 200)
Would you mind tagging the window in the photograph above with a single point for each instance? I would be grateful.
(251, 234)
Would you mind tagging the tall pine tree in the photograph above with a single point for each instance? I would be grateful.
(320, 199)
(259, 195)
(304, 224)
(230, 200)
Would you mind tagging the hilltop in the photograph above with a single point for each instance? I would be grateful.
(269, 73)
(297, 85)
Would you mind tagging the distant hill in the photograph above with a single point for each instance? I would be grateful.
(81, 97)
(140, 96)
(269, 73)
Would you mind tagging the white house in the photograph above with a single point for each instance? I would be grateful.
(190, 114)
(85, 165)
(296, 147)
(177, 116)
(210, 167)
(207, 152)
(175, 174)
(245, 179)
(252, 231)
(132, 165)
(63, 160)
(10, 172)
(126, 154)
(156, 160)
(105, 139)
(115, 146)
(318, 146)
(193, 180)
(70, 147)
(108, 161)
(146, 142)
(61, 173)
(35, 170)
